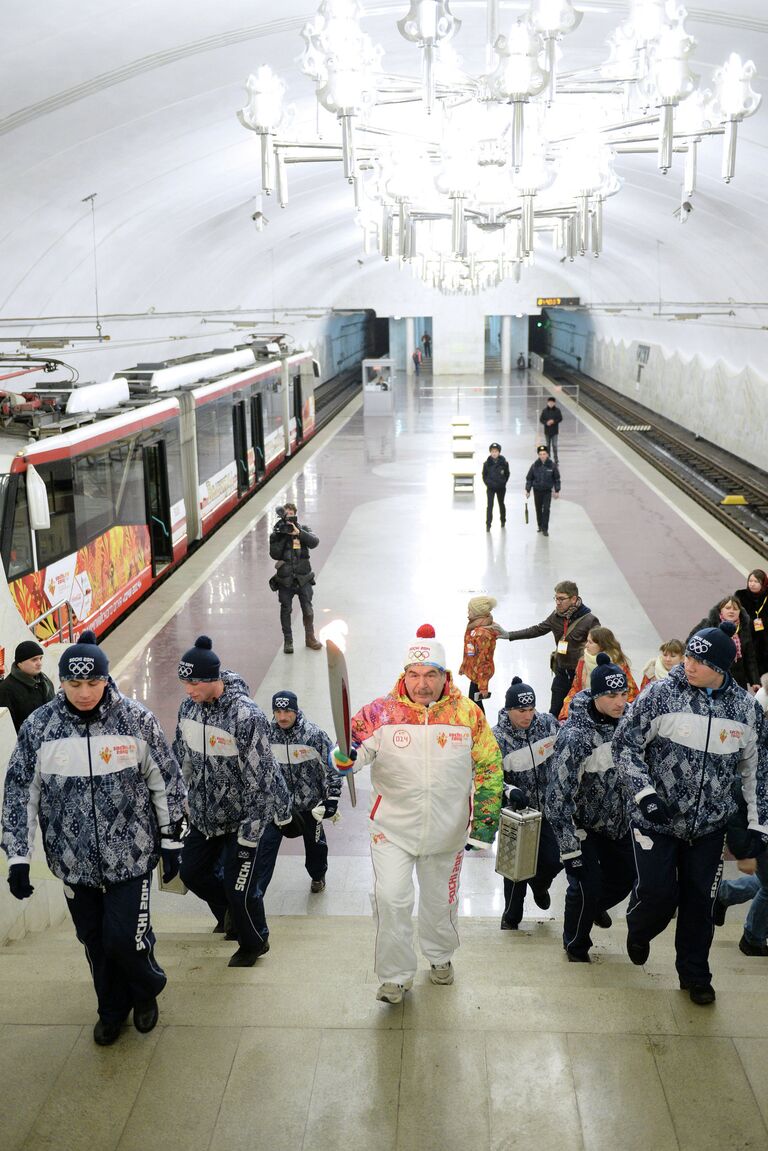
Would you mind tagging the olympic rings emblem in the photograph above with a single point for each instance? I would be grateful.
(81, 666)
(698, 645)
(185, 670)
(615, 681)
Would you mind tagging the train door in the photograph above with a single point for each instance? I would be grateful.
(158, 504)
(298, 409)
(241, 446)
(257, 434)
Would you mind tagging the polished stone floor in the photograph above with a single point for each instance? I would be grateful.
(525, 1050)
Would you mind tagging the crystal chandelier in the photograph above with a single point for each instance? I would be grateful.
(462, 177)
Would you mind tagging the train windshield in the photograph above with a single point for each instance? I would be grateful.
(15, 538)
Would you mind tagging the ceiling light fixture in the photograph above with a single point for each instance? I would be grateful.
(459, 176)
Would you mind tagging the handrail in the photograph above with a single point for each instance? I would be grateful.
(56, 608)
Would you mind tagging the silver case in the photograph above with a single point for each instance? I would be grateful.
(517, 850)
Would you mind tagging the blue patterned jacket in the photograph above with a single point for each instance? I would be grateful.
(526, 755)
(223, 747)
(586, 790)
(303, 754)
(690, 748)
(103, 790)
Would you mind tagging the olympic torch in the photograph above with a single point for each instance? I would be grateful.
(334, 635)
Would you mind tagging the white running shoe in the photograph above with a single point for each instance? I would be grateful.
(441, 973)
(393, 992)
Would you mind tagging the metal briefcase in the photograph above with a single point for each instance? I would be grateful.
(517, 852)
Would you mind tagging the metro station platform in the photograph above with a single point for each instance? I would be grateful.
(525, 1049)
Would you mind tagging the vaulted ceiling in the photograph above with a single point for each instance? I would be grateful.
(136, 102)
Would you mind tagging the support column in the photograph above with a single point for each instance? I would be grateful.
(410, 336)
(506, 345)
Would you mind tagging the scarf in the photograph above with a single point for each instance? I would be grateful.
(736, 640)
(590, 663)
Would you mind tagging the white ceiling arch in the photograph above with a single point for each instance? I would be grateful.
(137, 103)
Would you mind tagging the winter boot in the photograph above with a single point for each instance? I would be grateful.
(288, 645)
(311, 639)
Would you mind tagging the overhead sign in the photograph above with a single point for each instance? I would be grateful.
(558, 301)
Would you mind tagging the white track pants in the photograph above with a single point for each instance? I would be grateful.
(394, 896)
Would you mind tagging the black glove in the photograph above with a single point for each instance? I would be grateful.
(653, 808)
(331, 806)
(515, 798)
(171, 859)
(748, 845)
(18, 881)
(574, 866)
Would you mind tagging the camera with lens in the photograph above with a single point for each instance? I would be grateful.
(287, 521)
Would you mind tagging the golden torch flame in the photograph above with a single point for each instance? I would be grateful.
(336, 631)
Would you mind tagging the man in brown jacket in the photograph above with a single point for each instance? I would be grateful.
(569, 624)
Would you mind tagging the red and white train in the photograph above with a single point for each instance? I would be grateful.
(98, 502)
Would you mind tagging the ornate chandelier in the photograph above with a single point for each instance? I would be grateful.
(461, 177)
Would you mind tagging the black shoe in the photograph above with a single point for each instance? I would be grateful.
(145, 1016)
(603, 919)
(487, 527)
(577, 958)
(719, 913)
(544, 532)
(538, 529)
(541, 897)
(505, 925)
(247, 956)
(288, 646)
(638, 952)
(316, 886)
(503, 523)
(106, 1032)
(702, 994)
(746, 947)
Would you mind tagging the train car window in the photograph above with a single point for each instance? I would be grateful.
(60, 540)
(15, 534)
(173, 458)
(128, 483)
(214, 437)
(94, 497)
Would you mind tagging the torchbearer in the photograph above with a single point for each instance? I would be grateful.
(437, 783)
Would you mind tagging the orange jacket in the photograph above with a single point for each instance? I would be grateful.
(479, 646)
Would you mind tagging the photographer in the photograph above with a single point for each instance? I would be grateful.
(289, 545)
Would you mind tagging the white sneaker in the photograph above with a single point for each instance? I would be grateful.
(393, 992)
(441, 972)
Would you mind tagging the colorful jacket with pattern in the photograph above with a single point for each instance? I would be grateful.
(690, 748)
(103, 788)
(527, 754)
(479, 646)
(223, 747)
(303, 753)
(436, 771)
(586, 791)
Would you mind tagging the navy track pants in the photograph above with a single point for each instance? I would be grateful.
(606, 878)
(226, 877)
(672, 874)
(114, 928)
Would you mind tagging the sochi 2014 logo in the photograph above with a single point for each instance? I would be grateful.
(615, 681)
(418, 654)
(698, 645)
(526, 699)
(81, 666)
(185, 669)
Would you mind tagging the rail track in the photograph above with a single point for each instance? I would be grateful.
(705, 472)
